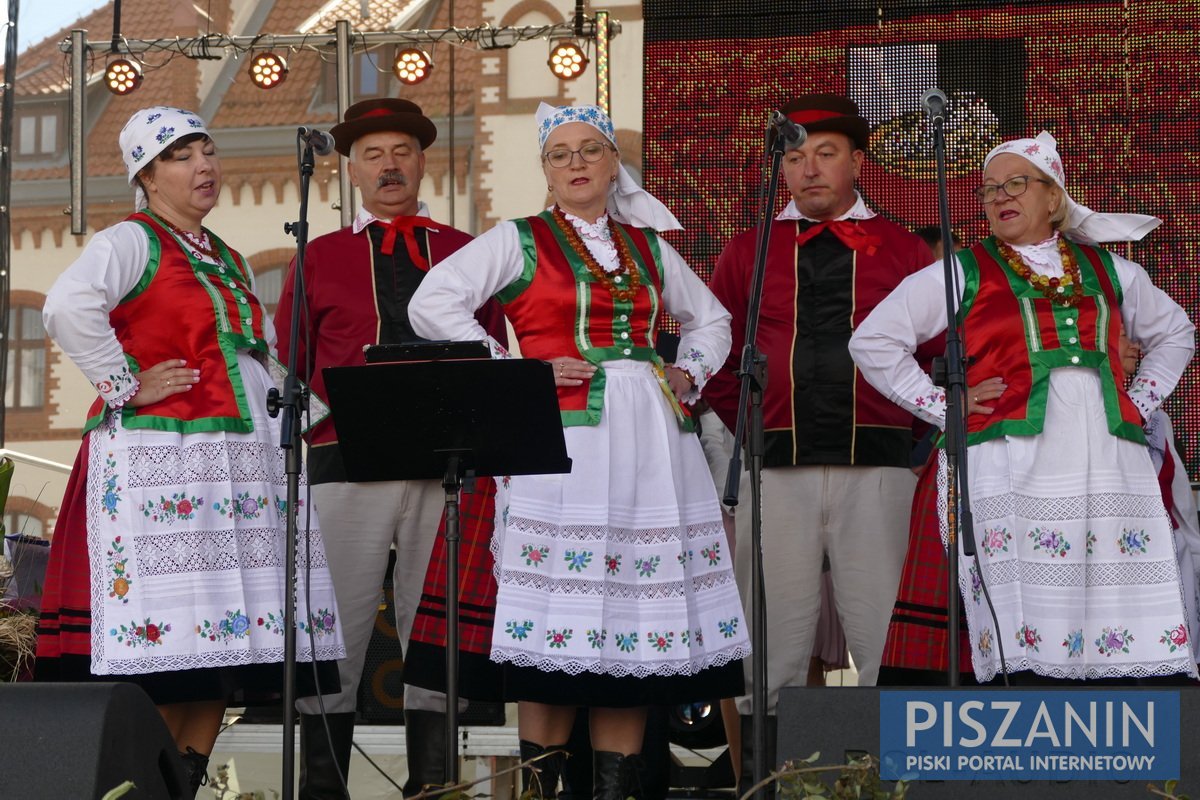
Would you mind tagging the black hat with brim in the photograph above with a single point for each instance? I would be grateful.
(383, 114)
(829, 112)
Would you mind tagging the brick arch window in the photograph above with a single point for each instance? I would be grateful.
(31, 358)
(270, 268)
(27, 516)
(528, 60)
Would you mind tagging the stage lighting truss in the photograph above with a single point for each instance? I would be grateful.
(412, 65)
(267, 70)
(122, 76)
(567, 60)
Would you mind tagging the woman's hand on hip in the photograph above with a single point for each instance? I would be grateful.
(163, 380)
(679, 380)
(984, 392)
(571, 371)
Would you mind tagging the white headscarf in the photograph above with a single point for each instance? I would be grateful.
(147, 133)
(627, 202)
(1082, 223)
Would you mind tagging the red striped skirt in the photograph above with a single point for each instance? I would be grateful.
(425, 660)
(65, 625)
(915, 651)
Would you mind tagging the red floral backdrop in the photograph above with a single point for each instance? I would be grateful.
(1115, 82)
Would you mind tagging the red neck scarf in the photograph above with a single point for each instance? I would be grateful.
(406, 227)
(850, 233)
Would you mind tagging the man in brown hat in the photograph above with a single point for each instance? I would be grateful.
(836, 478)
(358, 282)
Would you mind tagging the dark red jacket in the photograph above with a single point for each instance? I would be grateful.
(818, 409)
(343, 308)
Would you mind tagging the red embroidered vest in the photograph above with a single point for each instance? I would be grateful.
(203, 313)
(558, 308)
(1014, 331)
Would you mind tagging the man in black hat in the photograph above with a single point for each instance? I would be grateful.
(358, 282)
(836, 480)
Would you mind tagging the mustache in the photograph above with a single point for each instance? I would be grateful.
(391, 177)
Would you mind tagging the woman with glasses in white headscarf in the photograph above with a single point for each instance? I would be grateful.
(1074, 544)
(616, 590)
(167, 563)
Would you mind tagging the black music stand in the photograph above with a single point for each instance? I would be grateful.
(448, 420)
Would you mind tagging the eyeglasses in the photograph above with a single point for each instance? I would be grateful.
(1013, 187)
(590, 153)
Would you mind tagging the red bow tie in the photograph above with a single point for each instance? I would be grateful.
(850, 233)
(406, 227)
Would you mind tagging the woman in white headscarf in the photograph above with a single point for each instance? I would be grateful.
(1074, 544)
(616, 590)
(167, 563)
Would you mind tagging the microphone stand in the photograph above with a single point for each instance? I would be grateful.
(752, 372)
(291, 404)
(958, 513)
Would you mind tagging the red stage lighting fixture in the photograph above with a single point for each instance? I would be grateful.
(267, 70)
(567, 60)
(122, 76)
(412, 65)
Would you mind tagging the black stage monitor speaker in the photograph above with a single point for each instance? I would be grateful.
(81, 740)
(842, 723)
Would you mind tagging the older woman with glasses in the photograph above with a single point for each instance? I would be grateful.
(616, 590)
(1074, 545)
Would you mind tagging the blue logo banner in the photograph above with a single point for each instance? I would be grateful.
(1029, 735)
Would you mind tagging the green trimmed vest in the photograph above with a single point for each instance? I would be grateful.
(1015, 332)
(203, 313)
(558, 308)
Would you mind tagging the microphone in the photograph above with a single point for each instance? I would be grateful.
(793, 135)
(934, 103)
(320, 141)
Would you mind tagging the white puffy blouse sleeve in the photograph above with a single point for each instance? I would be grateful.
(443, 307)
(704, 333)
(76, 314)
(1166, 336)
(884, 344)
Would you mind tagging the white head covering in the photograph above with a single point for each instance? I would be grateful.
(627, 202)
(150, 131)
(1081, 223)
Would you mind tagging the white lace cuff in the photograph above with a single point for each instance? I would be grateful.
(696, 364)
(116, 389)
(930, 406)
(497, 350)
(1146, 395)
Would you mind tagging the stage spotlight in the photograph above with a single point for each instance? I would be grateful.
(696, 725)
(567, 60)
(122, 76)
(412, 65)
(267, 70)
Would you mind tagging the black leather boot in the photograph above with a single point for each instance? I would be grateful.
(541, 779)
(321, 758)
(577, 765)
(425, 749)
(196, 768)
(613, 775)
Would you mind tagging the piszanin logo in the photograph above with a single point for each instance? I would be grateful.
(1029, 735)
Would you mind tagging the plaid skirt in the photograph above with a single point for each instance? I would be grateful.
(915, 652)
(425, 661)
